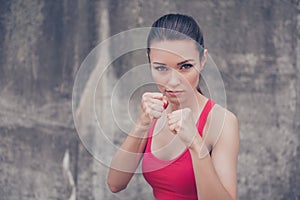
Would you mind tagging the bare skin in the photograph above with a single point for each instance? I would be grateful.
(177, 77)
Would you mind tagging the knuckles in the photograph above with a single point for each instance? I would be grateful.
(187, 110)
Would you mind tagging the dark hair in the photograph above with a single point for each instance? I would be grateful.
(176, 27)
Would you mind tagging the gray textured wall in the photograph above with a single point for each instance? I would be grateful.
(255, 44)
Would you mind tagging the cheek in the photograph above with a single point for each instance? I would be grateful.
(193, 79)
(159, 79)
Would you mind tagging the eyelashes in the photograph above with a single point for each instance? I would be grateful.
(161, 68)
(183, 67)
(186, 66)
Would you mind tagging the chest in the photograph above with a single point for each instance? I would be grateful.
(173, 178)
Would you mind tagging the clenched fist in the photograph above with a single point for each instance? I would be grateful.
(181, 122)
(152, 107)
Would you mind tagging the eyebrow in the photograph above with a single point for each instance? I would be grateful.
(185, 61)
(180, 63)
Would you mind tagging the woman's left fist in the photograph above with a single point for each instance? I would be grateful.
(181, 122)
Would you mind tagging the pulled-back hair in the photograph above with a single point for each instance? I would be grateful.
(176, 27)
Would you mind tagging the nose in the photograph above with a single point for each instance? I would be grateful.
(174, 79)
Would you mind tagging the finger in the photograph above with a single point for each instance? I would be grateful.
(177, 112)
(172, 121)
(156, 107)
(174, 128)
(152, 112)
(157, 102)
(150, 103)
(156, 114)
(176, 116)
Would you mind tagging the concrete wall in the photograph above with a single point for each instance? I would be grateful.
(255, 44)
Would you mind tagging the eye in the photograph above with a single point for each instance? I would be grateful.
(186, 66)
(161, 68)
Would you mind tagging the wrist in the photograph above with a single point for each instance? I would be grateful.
(140, 129)
(199, 148)
(143, 121)
(142, 124)
(196, 143)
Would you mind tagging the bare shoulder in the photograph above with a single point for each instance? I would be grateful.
(220, 111)
(222, 116)
(222, 124)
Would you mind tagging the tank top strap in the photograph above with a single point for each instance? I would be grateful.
(203, 116)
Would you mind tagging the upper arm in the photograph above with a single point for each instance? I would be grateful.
(225, 152)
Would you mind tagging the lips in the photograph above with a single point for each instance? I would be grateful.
(174, 92)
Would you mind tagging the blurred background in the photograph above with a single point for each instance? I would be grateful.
(255, 45)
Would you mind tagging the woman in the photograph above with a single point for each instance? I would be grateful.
(190, 146)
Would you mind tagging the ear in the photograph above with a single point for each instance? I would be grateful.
(204, 58)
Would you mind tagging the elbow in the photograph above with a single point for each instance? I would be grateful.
(115, 188)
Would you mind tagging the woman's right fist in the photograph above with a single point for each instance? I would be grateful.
(152, 107)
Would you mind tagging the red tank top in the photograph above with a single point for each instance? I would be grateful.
(172, 179)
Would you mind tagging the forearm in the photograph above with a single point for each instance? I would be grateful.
(208, 183)
(126, 159)
(128, 155)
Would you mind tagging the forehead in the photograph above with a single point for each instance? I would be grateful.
(173, 50)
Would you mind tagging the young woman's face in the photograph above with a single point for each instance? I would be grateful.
(175, 67)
